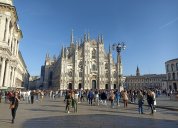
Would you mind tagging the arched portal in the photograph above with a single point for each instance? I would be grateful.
(70, 86)
(93, 84)
(106, 86)
(79, 86)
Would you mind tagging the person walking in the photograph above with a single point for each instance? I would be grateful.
(111, 98)
(14, 105)
(103, 97)
(140, 102)
(125, 98)
(150, 100)
(32, 96)
(117, 97)
(96, 97)
(90, 97)
(75, 101)
(68, 101)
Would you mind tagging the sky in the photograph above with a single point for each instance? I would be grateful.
(149, 29)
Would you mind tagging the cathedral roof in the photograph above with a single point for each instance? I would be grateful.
(7, 2)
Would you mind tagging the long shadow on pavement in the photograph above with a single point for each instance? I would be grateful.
(98, 121)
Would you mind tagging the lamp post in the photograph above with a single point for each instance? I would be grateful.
(119, 47)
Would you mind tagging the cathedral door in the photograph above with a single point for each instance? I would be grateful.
(70, 85)
(114, 86)
(79, 86)
(93, 84)
(106, 86)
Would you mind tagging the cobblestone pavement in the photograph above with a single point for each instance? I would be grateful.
(51, 114)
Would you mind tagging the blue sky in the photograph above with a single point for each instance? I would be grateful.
(148, 27)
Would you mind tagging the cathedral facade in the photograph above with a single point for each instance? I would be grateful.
(13, 71)
(82, 65)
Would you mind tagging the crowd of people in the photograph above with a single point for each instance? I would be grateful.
(102, 97)
(93, 97)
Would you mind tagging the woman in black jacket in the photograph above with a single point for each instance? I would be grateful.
(14, 105)
(150, 100)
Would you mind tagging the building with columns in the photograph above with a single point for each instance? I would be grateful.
(172, 74)
(13, 71)
(84, 64)
(139, 81)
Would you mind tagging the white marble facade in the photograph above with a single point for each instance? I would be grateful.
(13, 71)
(84, 64)
(172, 74)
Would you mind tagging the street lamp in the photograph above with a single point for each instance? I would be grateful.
(119, 47)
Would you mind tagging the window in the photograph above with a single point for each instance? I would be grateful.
(173, 76)
(115, 75)
(80, 66)
(94, 54)
(80, 74)
(94, 67)
(177, 66)
(172, 67)
(106, 75)
(5, 30)
(169, 76)
(167, 68)
(70, 74)
(106, 65)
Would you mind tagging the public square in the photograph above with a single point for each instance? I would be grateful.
(94, 49)
(51, 114)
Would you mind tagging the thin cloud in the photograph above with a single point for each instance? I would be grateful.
(169, 23)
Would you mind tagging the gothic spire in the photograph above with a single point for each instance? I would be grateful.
(85, 37)
(137, 72)
(88, 36)
(62, 52)
(110, 49)
(102, 38)
(99, 38)
(72, 37)
(47, 56)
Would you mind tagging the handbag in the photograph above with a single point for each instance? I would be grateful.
(11, 106)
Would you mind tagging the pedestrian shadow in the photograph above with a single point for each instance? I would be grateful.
(172, 113)
(114, 111)
(5, 121)
(57, 106)
(44, 110)
(98, 121)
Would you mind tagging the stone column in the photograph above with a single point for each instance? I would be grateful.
(11, 37)
(6, 82)
(11, 80)
(14, 78)
(13, 46)
(7, 30)
(17, 48)
(2, 72)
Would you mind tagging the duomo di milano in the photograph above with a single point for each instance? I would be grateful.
(82, 65)
(13, 71)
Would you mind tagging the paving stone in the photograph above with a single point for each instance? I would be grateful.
(51, 114)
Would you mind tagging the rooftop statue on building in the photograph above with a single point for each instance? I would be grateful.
(7, 2)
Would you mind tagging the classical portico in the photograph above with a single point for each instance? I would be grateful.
(12, 66)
